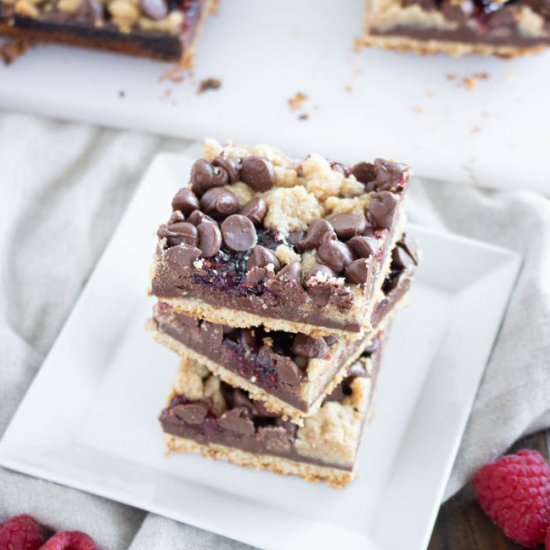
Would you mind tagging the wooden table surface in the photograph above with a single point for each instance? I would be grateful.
(462, 525)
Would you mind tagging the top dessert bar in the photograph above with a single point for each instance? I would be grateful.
(298, 246)
(457, 27)
(162, 29)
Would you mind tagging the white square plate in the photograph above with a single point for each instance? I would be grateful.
(89, 419)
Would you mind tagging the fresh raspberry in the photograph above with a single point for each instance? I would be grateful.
(514, 492)
(20, 533)
(547, 542)
(70, 540)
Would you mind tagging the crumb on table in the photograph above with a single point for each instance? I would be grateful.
(209, 84)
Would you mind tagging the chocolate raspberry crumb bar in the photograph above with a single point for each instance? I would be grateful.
(206, 415)
(290, 373)
(296, 246)
(161, 29)
(458, 27)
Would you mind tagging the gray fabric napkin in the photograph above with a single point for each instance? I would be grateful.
(64, 187)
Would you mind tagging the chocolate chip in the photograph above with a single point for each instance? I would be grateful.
(258, 173)
(288, 372)
(407, 244)
(182, 255)
(306, 346)
(231, 165)
(238, 233)
(255, 210)
(331, 340)
(155, 9)
(237, 420)
(402, 258)
(364, 172)
(182, 232)
(185, 201)
(197, 217)
(357, 272)
(363, 246)
(382, 209)
(210, 239)
(348, 225)
(314, 234)
(261, 257)
(219, 202)
(322, 271)
(204, 176)
(291, 273)
(389, 175)
(333, 253)
(191, 413)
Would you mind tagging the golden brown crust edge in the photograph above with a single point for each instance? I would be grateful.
(333, 477)
(454, 49)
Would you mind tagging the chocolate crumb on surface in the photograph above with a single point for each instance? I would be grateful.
(209, 84)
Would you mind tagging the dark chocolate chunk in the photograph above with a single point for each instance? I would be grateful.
(219, 202)
(288, 372)
(382, 209)
(231, 165)
(314, 234)
(191, 413)
(322, 271)
(261, 257)
(185, 201)
(182, 232)
(155, 9)
(255, 210)
(247, 337)
(363, 246)
(348, 225)
(204, 176)
(210, 239)
(331, 340)
(358, 271)
(238, 233)
(364, 172)
(237, 420)
(182, 255)
(389, 175)
(197, 217)
(333, 253)
(402, 257)
(258, 173)
(306, 346)
(291, 273)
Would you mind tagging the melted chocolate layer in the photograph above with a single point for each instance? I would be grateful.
(245, 424)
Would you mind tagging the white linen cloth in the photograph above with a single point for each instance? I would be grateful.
(63, 188)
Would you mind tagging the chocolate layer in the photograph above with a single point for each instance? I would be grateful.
(278, 362)
(92, 26)
(247, 426)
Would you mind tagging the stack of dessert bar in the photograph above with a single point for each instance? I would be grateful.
(276, 283)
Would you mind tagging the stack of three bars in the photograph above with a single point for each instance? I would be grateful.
(276, 282)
